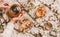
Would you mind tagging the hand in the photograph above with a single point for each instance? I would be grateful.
(13, 20)
(21, 17)
(3, 4)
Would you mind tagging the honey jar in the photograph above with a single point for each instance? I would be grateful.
(40, 11)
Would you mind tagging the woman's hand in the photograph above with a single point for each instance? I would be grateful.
(3, 4)
(13, 20)
(20, 17)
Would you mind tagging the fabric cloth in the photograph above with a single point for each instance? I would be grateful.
(9, 30)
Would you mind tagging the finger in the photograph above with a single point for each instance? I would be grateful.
(16, 18)
(13, 20)
(20, 15)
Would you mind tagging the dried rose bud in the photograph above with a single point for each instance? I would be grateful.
(48, 25)
(6, 4)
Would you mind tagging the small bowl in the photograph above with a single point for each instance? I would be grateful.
(40, 11)
(14, 10)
